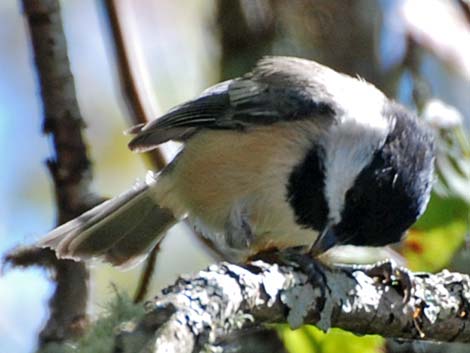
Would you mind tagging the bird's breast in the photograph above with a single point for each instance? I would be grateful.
(222, 175)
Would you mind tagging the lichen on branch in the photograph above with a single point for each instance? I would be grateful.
(199, 311)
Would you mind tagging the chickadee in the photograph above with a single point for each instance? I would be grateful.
(292, 154)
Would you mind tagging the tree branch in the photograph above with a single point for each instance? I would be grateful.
(130, 74)
(139, 109)
(200, 311)
(70, 168)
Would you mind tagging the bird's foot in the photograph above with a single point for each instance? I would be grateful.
(298, 258)
(388, 273)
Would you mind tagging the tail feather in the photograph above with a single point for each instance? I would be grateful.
(112, 226)
(128, 251)
(119, 230)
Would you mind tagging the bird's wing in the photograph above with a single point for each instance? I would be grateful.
(278, 89)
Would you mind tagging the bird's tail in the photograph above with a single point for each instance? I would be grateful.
(120, 231)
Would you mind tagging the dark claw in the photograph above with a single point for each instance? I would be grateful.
(392, 274)
(388, 273)
(313, 268)
(298, 258)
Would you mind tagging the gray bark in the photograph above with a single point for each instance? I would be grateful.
(69, 166)
(199, 312)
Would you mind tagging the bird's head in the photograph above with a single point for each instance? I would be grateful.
(389, 192)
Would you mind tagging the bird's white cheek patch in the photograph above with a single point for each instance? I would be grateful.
(350, 144)
(350, 148)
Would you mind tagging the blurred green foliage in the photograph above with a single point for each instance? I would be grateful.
(432, 243)
(309, 339)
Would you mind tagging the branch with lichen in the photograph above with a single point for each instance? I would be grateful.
(200, 311)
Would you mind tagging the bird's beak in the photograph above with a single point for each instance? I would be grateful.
(325, 241)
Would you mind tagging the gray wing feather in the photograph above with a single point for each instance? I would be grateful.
(278, 89)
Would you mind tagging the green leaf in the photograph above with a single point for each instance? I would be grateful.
(309, 339)
(433, 249)
(442, 211)
(433, 241)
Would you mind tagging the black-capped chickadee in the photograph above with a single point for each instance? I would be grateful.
(292, 154)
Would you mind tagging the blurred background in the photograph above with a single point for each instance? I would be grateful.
(415, 51)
